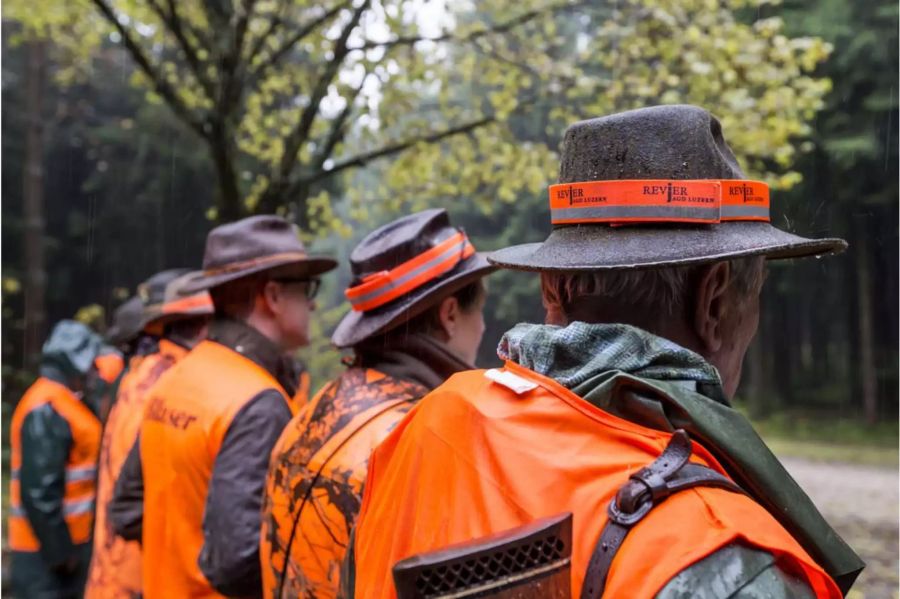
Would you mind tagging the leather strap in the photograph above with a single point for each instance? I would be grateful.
(645, 489)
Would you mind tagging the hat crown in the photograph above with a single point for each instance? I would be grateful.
(251, 238)
(660, 142)
(399, 241)
(153, 290)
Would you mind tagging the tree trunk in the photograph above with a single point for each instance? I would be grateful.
(866, 352)
(231, 206)
(33, 200)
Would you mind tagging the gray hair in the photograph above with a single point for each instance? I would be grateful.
(664, 292)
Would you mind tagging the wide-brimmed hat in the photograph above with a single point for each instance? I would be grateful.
(175, 304)
(252, 245)
(655, 187)
(152, 293)
(128, 320)
(402, 269)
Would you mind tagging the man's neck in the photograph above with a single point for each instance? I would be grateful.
(265, 327)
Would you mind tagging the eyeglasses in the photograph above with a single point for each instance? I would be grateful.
(312, 286)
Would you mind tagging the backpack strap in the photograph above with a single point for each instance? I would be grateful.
(648, 487)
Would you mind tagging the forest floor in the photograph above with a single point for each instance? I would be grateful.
(861, 502)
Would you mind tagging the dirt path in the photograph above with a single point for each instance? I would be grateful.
(861, 502)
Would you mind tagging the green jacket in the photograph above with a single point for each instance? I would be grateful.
(60, 567)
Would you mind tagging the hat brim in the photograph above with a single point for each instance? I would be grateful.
(310, 266)
(356, 327)
(156, 316)
(601, 247)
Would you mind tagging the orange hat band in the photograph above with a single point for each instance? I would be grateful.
(199, 303)
(659, 201)
(380, 288)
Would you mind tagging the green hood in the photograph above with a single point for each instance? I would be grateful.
(656, 383)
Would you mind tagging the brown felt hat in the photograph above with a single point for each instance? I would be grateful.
(403, 268)
(253, 245)
(175, 304)
(128, 320)
(661, 144)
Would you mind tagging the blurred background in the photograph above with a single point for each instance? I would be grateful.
(131, 127)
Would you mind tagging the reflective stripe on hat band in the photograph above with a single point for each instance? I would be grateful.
(659, 201)
(199, 303)
(380, 288)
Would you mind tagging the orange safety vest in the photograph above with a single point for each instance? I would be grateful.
(187, 415)
(109, 366)
(81, 467)
(116, 563)
(301, 395)
(316, 476)
(476, 457)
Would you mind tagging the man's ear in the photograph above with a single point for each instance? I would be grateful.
(269, 297)
(448, 313)
(711, 304)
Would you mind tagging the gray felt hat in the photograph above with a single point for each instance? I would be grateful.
(253, 245)
(657, 143)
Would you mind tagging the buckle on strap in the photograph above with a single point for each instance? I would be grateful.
(670, 473)
(649, 484)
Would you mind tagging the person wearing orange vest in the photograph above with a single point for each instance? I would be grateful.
(408, 334)
(191, 488)
(54, 439)
(651, 279)
(127, 336)
(182, 320)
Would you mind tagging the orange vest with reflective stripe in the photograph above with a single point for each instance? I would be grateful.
(187, 415)
(475, 458)
(81, 467)
(316, 479)
(116, 563)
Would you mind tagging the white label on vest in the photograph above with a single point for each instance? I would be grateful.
(513, 382)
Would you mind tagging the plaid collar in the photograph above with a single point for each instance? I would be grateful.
(573, 354)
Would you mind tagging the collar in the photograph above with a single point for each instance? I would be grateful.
(254, 346)
(580, 351)
(418, 357)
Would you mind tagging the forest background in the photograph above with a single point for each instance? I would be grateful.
(131, 127)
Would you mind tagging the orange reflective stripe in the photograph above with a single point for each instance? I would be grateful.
(199, 303)
(745, 200)
(659, 200)
(380, 288)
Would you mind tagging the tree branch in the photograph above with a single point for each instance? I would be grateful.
(276, 20)
(337, 129)
(366, 157)
(161, 85)
(173, 22)
(503, 27)
(273, 59)
(301, 131)
(278, 182)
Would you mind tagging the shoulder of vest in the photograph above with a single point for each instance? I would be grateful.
(224, 373)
